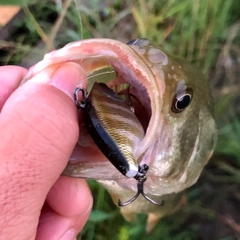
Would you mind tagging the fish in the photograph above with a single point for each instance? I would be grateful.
(172, 101)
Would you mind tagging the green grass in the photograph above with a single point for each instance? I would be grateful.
(206, 33)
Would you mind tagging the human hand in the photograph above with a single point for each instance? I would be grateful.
(38, 131)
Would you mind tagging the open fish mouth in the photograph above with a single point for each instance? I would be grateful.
(98, 70)
(124, 69)
(101, 71)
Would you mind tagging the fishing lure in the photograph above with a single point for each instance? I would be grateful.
(115, 130)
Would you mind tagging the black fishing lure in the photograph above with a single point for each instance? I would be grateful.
(103, 138)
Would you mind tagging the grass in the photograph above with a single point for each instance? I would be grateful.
(206, 33)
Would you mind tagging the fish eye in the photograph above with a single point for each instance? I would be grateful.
(181, 101)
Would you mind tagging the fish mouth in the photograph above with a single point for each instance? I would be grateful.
(124, 70)
(123, 82)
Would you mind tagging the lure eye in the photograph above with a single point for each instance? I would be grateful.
(181, 101)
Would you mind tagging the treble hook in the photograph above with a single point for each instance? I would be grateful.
(141, 178)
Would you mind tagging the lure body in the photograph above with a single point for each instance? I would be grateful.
(113, 127)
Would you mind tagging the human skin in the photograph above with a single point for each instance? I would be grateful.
(38, 131)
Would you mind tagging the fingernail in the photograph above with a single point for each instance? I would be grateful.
(69, 235)
(64, 76)
(67, 77)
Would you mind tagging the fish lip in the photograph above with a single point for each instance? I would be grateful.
(124, 59)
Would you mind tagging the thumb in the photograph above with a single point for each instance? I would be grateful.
(38, 131)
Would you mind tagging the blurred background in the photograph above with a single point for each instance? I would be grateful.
(204, 32)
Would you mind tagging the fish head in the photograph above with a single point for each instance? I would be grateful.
(171, 99)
